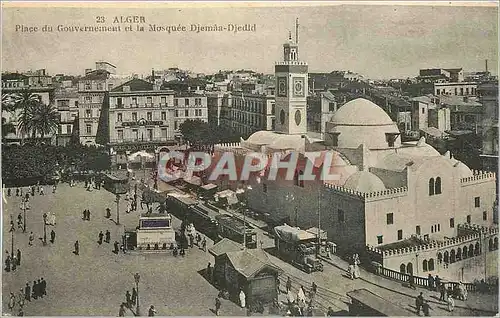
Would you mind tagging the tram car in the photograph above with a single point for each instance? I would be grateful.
(233, 228)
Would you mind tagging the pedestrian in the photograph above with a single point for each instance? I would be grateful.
(88, 215)
(40, 288)
(43, 287)
(330, 312)
(242, 299)
(204, 245)
(121, 312)
(12, 301)
(17, 192)
(54, 187)
(84, 215)
(41, 191)
(134, 296)
(21, 312)
(77, 248)
(151, 311)
(115, 247)
(100, 238)
(430, 282)
(451, 302)
(411, 281)
(108, 236)
(314, 288)
(350, 271)
(463, 291)
(27, 292)
(209, 271)
(356, 271)
(31, 239)
(128, 299)
(217, 306)
(288, 285)
(191, 240)
(18, 257)
(13, 262)
(7, 263)
(32, 191)
(426, 308)
(108, 213)
(20, 298)
(419, 301)
(26, 197)
(437, 282)
(34, 291)
(52, 236)
(442, 292)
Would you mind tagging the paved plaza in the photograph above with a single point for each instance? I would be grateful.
(94, 283)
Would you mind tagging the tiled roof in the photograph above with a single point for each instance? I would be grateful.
(224, 246)
(250, 262)
(97, 75)
(136, 85)
(13, 76)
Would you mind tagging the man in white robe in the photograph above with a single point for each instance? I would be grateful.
(242, 299)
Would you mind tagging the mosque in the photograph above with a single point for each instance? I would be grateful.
(410, 207)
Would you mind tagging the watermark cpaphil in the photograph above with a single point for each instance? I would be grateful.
(176, 165)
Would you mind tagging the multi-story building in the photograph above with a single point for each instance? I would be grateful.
(39, 78)
(214, 107)
(92, 91)
(465, 112)
(67, 106)
(488, 97)
(188, 106)
(438, 75)
(414, 210)
(251, 112)
(320, 109)
(141, 117)
(456, 89)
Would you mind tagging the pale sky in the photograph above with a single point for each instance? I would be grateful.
(375, 41)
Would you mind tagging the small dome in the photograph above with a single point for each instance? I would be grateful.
(262, 137)
(364, 181)
(361, 112)
(288, 142)
(462, 169)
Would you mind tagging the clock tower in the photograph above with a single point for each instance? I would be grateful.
(291, 89)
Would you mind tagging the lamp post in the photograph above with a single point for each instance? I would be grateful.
(45, 229)
(117, 209)
(25, 207)
(319, 222)
(137, 277)
(12, 229)
(244, 216)
(290, 197)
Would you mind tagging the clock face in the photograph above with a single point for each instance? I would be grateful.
(298, 117)
(282, 117)
(282, 86)
(298, 87)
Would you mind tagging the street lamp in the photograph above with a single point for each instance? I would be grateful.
(244, 217)
(25, 207)
(45, 229)
(137, 277)
(12, 229)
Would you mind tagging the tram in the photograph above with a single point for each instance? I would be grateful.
(233, 228)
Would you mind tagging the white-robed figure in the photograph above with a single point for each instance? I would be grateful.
(301, 295)
(463, 291)
(242, 299)
(356, 271)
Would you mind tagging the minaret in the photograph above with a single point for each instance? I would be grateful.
(291, 84)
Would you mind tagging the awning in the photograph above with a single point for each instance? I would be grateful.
(292, 234)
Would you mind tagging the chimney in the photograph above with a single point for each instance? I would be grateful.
(297, 31)
(486, 62)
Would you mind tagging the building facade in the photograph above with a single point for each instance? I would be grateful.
(251, 112)
(488, 97)
(188, 105)
(140, 118)
(456, 89)
(67, 106)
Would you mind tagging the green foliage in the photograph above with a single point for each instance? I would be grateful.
(201, 134)
(39, 162)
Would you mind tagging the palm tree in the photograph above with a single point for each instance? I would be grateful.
(45, 119)
(25, 100)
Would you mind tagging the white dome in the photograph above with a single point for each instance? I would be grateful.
(262, 137)
(364, 181)
(462, 169)
(361, 112)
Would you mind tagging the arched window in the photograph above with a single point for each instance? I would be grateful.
(477, 249)
(495, 243)
(464, 252)
(440, 257)
(424, 265)
(431, 264)
(409, 268)
(459, 254)
(490, 244)
(446, 257)
(452, 256)
(437, 187)
(402, 269)
(431, 186)
(471, 250)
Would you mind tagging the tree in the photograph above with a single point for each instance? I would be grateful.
(45, 119)
(25, 100)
